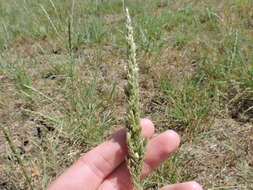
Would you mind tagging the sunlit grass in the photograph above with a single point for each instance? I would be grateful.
(62, 80)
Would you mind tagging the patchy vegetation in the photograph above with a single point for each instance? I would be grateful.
(62, 85)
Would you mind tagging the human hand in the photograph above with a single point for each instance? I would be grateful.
(104, 167)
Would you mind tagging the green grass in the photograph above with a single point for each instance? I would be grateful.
(59, 97)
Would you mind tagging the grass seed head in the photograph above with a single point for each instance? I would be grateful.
(136, 145)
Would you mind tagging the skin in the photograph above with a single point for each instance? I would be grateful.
(104, 167)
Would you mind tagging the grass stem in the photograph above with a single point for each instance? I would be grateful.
(17, 155)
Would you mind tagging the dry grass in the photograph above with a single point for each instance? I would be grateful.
(195, 77)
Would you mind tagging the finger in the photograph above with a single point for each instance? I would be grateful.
(192, 185)
(158, 149)
(91, 169)
(147, 128)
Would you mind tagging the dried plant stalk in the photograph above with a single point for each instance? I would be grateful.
(16, 155)
(136, 144)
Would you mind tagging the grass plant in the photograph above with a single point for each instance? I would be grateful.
(136, 145)
(195, 77)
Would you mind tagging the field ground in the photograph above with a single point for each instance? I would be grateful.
(62, 79)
